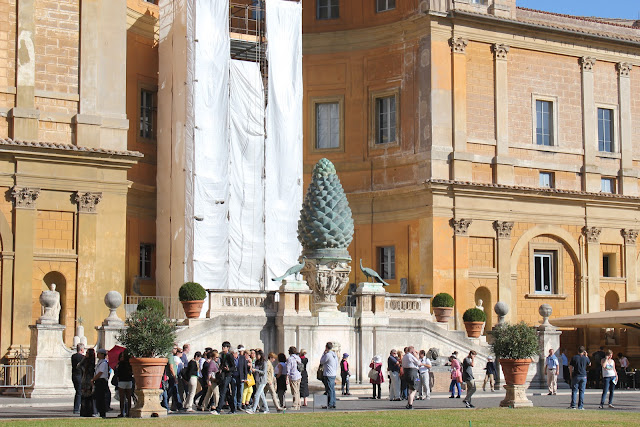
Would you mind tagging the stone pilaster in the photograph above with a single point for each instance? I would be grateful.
(628, 175)
(504, 173)
(461, 267)
(87, 232)
(630, 257)
(506, 292)
(372, 319)
(461, 161)
(25, 215)
(590, 172)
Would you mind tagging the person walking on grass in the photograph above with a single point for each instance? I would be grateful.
(467, 376)
(578, 367)
(490, 374)
(551, 366)
(329, 361)
(609, 378)
(376, 363)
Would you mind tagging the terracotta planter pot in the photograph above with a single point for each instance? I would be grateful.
(192, 309)
(148, 371)
(515, 370)
(474, 329)
(443, 314)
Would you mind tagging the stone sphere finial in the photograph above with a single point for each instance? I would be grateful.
(545, 311)
(501, 309)
(113, 300)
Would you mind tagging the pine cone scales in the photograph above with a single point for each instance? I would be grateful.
(325, 218)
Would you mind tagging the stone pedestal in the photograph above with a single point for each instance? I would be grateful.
(51, 361)
(148, 405)
(107, 336)
(327, 277)
(294, 298)
(369, 299)
(370, 312)
(516, 397)
(548, 338)
(294, 318)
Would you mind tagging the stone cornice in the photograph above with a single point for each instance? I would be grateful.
(143, 24)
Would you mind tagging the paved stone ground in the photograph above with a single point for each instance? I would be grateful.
(625, 400)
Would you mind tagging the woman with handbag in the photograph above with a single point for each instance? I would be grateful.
(304, 383)
(88, 368)
(376, 377)
(124, 374)
(456, 377)
(281, 378)
(260, 376)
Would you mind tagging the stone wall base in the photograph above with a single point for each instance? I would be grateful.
(148, 405)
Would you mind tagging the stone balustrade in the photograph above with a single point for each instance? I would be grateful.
(249, 303)
(408, 305)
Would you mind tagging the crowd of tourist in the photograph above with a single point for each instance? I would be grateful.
(239, 379)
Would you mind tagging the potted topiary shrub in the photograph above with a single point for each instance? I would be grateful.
(149, 336)
(150, 304)
(514, 345)
(474, 319)
(192, 297)
(442, 307)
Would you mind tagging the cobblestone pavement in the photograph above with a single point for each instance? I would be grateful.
(625, 400)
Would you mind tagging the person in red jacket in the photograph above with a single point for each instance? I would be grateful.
(376, 364)
(345, 374)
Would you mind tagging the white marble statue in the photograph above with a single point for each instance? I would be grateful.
(480, 307)
(57, 307)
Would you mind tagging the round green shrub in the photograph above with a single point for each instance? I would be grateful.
(474, 315)
(148, 333)
(150, 304)
(192, 291)
(443, 299)
(519, 341)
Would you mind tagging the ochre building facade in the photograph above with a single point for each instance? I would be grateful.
(487, 151)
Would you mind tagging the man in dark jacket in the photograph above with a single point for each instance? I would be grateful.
(490, 375)
(241, 377)
(227, 370)
(76, 376)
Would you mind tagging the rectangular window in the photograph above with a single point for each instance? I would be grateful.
(145, 260)
(608, 185)
(546, 179)
(544, 123)
(147, 114)
(384, 5)
(385, 117)
(605, 130)
(606, 271)
(328, 125)
(544, 272)
(327, 9)
(387, 256)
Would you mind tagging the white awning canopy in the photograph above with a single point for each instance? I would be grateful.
(627, 316)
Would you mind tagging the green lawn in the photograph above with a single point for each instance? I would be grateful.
(445, 417)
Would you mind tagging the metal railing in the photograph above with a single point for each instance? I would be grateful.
(16, 376)
(172, 306)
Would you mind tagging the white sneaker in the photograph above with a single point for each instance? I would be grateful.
(249, 411)
(214, 412)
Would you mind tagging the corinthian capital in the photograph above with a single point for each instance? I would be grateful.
(630, 236)
(500, 50)
(624, 69)
(87, 201)
(458, 44)
(460, 226)
(503, 228)
(587, 63)
(592, 234)
(25, 197)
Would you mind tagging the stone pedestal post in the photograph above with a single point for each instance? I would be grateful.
(327, 277)
(294, 319)
(370, 315)
(51, 361)
(516, 397)
(148, 405)
(548, 338)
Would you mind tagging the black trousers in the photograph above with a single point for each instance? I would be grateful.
(78, 397)
(102, 395)
(224, 392)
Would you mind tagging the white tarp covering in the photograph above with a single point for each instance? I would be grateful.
(283, 152)
(246, 202)
(211, 144)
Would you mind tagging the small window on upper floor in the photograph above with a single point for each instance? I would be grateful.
(385, 116)
(608, 185)
(544, 272)
(327, 9)
(605, 130)
(147, 114)
(327, 125)
(546, 180)
(384, 5)
(609, 265)
(544, 123)
(387, 260)
(145, 260)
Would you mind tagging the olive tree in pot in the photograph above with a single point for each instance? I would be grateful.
(149, 337)
(514, 345)
(442, 307)
(192, 297)
(474, 319)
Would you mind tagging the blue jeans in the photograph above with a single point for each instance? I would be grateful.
(577, 386)
(330, 388)
(452, 387)
(260, 395)
(607, 386)
(239, 391)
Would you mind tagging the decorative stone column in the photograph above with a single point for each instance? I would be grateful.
(370, 315)
(325, 230)
(503, 162)
(628, 175)
(293, 319)
(590, 172)
(630, 256)
(507, 289)
(592, 300)
(461, 160)
(461, 265)
(548, 338)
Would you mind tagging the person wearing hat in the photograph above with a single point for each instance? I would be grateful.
(345, 374)
(490, 375)
(376, 378)
(102, 393)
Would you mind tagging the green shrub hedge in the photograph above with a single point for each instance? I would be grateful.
(192, 291)
(150, 304)
(474, 315)
(443, 299)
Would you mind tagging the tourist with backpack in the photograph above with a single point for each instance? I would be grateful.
(294, 366)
